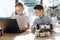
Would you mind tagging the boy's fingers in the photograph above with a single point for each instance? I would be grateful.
(23, 28)
(35, 27)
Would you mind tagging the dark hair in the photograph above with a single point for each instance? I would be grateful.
(39, 7)
(19, 4)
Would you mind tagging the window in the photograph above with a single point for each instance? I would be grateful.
(49, 5)
(6, 8)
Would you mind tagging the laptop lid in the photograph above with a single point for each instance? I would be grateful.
(9, 25)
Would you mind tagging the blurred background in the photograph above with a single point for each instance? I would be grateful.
(51, 8)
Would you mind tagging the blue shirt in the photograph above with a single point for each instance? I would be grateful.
(44, 19)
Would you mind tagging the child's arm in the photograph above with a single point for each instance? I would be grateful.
(28, 25)
(35, 27)
(25, 28)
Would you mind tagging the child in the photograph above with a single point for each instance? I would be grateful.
(39, 11)
(22, 20)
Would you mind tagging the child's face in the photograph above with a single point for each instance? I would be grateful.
(38, 12)
(19, 10)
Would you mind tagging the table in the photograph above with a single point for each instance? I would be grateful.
(29, 36)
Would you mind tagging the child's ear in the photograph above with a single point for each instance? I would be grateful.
(41, 11)
(23, 8)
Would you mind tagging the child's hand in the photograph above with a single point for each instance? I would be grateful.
(24, 28)
(35, 27)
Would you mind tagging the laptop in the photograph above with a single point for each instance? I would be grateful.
(45, 26)
(9, 25)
